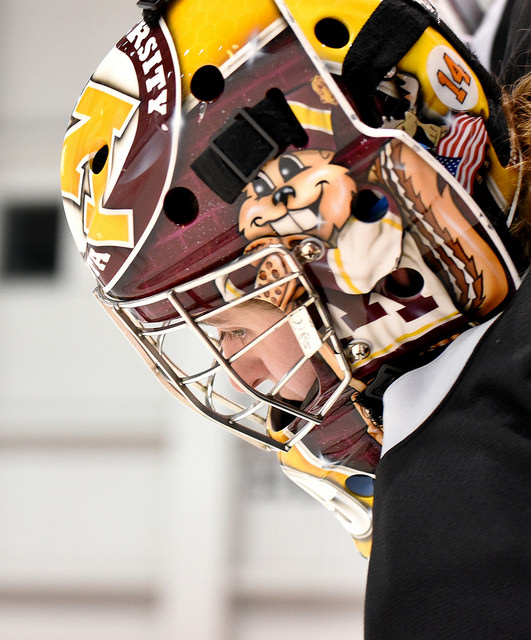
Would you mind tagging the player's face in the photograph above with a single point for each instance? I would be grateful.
(271, 358)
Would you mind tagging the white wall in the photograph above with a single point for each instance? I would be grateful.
(123, 516)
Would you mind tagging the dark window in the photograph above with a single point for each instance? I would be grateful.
(30, 239)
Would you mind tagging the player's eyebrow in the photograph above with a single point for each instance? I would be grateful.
(216, 321)
(231, 318)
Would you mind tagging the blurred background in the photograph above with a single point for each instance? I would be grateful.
(122, 515)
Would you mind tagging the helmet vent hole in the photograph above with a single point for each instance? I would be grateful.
(332, 33)
(207, 83)
(181, 206)
(369, 206)
(404, 283)
(100, 158)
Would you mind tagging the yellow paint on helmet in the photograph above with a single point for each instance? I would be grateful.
(208, 32)
(334, 477)
(211, 33)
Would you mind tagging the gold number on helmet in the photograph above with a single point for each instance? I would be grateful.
(103, 115)
(458, 77)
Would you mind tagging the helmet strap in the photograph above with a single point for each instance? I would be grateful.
(250, 138)
(389, 33)
(151, 10)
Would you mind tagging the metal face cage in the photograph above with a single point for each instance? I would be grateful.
(186, 354)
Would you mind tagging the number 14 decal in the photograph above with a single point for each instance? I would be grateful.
(459, 77)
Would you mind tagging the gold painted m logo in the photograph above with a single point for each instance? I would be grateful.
(87, 177)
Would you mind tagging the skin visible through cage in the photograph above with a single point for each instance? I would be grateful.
(271, 357)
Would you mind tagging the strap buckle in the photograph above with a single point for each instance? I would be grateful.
(255, 137)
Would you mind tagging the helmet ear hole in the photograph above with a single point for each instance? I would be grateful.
(332, 33)
(100, 158)
(404, 283)
(207, 83)
(369, 206)
(181, 206)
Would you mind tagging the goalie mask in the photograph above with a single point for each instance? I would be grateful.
(285, 207)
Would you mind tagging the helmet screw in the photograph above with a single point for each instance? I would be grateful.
(310, 249)
(358, 350)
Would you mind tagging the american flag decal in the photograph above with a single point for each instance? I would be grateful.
(462, 151)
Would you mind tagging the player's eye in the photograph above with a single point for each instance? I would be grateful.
(290, 166)
(233, 334)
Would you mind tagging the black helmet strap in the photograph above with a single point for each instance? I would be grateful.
(389, 33)
(250, 138)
